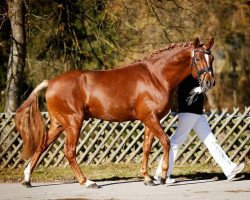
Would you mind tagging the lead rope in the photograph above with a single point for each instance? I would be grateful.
(194, 94)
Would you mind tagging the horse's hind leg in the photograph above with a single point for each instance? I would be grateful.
(73, 131)
(53, 133)
(147, 144)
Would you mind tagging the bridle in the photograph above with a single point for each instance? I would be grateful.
(205, 69)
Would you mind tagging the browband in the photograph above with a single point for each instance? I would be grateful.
(202, 51)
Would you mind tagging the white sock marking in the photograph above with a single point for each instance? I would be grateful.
(88, 183)
(27, 173)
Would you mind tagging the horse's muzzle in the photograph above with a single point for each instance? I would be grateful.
(208, 83)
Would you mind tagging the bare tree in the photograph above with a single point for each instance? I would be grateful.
(16, 63)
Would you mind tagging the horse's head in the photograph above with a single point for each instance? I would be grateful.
(202, 60)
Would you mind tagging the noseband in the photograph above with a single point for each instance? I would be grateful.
(205, 69)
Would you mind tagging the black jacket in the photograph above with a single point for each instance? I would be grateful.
(183, 93)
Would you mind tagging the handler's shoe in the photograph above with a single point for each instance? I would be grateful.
(236, 171)
(168, 180)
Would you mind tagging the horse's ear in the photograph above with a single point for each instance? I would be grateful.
(196, 43)
(209, 45)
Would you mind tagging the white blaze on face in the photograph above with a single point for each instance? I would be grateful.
(27, 173)
(208, 61)
(192, 54)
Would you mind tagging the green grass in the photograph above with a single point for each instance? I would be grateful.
(111, 172)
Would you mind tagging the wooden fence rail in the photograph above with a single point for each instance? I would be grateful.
(104, 142)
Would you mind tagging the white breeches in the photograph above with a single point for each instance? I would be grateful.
(199, 124)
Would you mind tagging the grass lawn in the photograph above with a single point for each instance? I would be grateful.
(113, 172)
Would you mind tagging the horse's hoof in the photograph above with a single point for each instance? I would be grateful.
(93, 186)
(26, 184)
(162, 181)
(149, 183)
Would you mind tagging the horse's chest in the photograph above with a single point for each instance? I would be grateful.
(162, 106)
(163, 103)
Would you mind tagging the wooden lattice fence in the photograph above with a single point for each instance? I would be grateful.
(104, 142)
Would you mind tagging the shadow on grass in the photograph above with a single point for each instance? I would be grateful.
(197, 178)
(204, 175)
(51, 184)
(121, 180)
(117, 178)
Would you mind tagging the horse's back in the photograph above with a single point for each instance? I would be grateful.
(112, 94)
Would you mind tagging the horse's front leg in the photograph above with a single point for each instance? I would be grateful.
(153, 124)
(147, 145)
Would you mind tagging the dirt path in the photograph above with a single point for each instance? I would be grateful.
(132, 190)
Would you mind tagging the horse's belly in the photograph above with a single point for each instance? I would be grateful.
(110, 111)
(111, 115)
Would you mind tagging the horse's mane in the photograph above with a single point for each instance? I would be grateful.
(167, 48)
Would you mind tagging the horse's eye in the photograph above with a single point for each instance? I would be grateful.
(197, 59)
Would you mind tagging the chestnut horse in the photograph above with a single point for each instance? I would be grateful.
(139, 91)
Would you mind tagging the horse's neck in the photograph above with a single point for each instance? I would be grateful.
(177, 67)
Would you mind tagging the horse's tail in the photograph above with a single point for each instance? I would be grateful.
(29, 123)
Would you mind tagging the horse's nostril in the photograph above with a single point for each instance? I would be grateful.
(208, 84)
(212, 82)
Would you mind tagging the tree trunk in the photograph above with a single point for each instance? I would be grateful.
(16, 14)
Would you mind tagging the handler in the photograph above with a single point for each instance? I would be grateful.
(192, 117)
